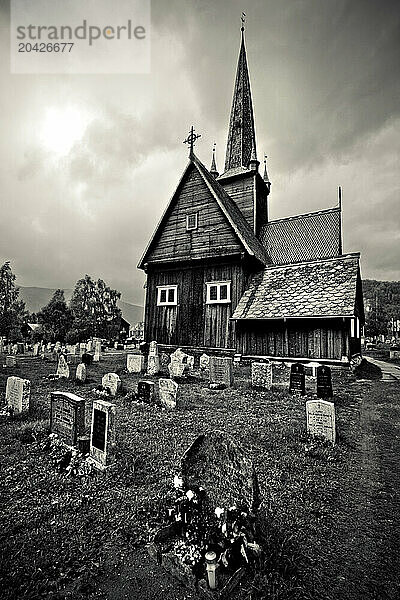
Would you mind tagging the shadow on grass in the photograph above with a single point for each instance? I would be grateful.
(366, 370)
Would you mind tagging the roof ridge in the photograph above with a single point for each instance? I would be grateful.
(309, 214)
(315, 260)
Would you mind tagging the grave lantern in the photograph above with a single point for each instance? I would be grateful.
(211, 566)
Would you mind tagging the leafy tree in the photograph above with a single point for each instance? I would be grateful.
(12, 309)
(55, 318)
(95, 309)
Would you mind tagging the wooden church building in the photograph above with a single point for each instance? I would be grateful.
(220, 274)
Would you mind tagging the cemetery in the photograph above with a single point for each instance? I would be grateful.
(211, 477)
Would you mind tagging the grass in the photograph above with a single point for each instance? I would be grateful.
(68, 537)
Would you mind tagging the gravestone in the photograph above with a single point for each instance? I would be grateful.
(261, 375)
(324, 382)
(153, 360)
(221, 371)
(73, 359)
(67, 416)
(111, 382)
(135, 363)
(168, 391)
(310, 369)
(89, 346)
(62, 368)
(81, 373)
(297, 385)
(102, 434)
(280, 372)
(146, 391)
(11, 361)
(87, 359)
(164, 360)
(97, 352)
(204, 364)
(222, 468)
(18, 393)
(180, 364)
(321, 419)
(35, 349)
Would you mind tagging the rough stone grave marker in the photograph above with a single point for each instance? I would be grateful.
(153, 360)
(111, 382)
(81, 373)
(67, 416)
(146, 391)
(297, 385)
(62, 368)
(168, 391)
(261, 375)
(220, 466)
(204, 364)
(324, 382)
(97, 351)
(35, 349)
(135, 363)
(221, 371)
(321, 419)
(102, 434)
(178, 367)
(11, 361)
(18, 393)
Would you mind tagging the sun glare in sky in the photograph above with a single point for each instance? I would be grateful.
(62, 127)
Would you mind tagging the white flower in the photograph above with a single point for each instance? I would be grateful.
(190, 494)
(178, 482)
(219, 511)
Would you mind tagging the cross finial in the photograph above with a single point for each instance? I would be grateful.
(243, 19)
(191, 139)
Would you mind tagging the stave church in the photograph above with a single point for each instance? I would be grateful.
(222, 275)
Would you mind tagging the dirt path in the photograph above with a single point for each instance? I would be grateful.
(390, 372)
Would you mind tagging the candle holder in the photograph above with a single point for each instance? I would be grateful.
(211, 567)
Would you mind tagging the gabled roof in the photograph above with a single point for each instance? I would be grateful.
(303, 237)
(322, 288)
(241, 135)
(233, 214)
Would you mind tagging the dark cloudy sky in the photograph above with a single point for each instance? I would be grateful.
(88, 162)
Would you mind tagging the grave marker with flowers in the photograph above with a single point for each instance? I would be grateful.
(210, 538)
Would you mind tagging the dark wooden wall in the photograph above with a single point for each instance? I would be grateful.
(242, 191)
(193, 322)
(311, 338)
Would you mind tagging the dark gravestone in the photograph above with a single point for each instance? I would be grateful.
(220, 466)
(146, 391)
(297, 385)
(324, 382)
(99, 429)
(67, 416)
(87, 359)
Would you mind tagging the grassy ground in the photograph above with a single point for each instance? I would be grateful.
(329, 520)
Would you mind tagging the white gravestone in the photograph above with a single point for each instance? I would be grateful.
(153, 349)
(261, 375)
(112, 382)
(179, 365)
(135, 363)
(204, 363)
(62, 368)
(168, 391)
(35, 349)
(321, 419)
(18, 392)
(153, 364)
(81, 373)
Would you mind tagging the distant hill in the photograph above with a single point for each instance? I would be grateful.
(35, 298)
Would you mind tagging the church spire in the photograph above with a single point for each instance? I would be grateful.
(241, 135)
(213, 169)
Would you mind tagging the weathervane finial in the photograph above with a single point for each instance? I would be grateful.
(191, 139)
(243, 20)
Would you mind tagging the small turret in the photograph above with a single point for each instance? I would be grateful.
(213, 168)
(253, 162)
(266, 177)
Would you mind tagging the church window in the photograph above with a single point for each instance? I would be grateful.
(167, 295)
(191, 222)
(218, 292)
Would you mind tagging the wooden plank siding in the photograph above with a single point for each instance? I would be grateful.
(193, 322)
(309, 338)
(242, 191)
(214, 235)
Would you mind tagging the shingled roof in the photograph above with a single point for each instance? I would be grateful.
(303, 237)
(322, 288)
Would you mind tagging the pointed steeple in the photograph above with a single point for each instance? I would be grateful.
(241, 135)
(213, 168)
(266, 177)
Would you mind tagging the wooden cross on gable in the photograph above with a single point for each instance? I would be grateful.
(191, 139)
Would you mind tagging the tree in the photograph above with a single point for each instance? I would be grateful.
(55, 318)
(12, 309)
(95, 309)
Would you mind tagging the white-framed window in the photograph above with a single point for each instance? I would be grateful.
(191, 221)
(218, 292)
(167, 295)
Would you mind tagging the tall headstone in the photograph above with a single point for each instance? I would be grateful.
(62, 368)
(168, 391)
(18, 393)
(153, 360)
(89, 346)
(297, 385)
(111, 382)
(221, 371)
(67, 416)
(36, 349)
(324, 382)
(135, 363)
(146, 391)
(102, 434)
(261, 375)
(81, 373)
(204, 364)
(321, 419)
(97, 351)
